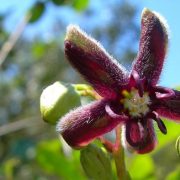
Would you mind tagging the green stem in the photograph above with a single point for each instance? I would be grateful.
(118, 154)
(116, 149)
(86, 90)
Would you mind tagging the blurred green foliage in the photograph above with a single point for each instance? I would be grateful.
(29, 148)
(36, 11)
(51, 156)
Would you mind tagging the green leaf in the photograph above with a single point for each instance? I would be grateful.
(52, 159)
(59, 2)
(36, 11)
(173, 133)
(9, 167)
(38, 50)
(62, 2)
(175, 175)
(165, 159)
(141, 167)
(80, 5)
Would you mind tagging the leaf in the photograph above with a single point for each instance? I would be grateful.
(172, 134)
(38, 50)
(9, 167)
(53, 161)
(80, 5)
(36, 11)
(60, 2)
(165, 160)
(141, 167)
(175, 175)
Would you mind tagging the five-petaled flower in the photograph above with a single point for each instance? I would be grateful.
(131, 98)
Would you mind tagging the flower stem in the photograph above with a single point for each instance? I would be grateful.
(118, 154)
(90, 93)
(86, 90)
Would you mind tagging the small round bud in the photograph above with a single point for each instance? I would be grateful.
(56, 100)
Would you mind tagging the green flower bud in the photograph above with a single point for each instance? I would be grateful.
(96, 163)
(56, 100)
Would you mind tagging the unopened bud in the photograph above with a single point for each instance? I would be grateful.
(56, 100)
(96, 163)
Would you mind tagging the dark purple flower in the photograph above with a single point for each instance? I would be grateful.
(131, 98)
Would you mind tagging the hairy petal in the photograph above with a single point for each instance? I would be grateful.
(140, 137)
(152, 48)
(84, 124)
(169, 108)
(93, 62)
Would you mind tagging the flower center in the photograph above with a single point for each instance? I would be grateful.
(136, 105)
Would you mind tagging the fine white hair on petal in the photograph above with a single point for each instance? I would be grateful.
(66, 121)
(166, 28)
(81, 115)
(163, 21)
(161, 18)
(74, 30)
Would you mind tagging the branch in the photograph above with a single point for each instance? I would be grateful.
(14, 36)
(20, 124)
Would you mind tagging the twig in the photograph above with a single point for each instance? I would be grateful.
(18, 125)
(14, 36)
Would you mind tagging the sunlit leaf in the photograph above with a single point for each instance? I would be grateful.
(141, 167)
(38, 50)
(9, 166)
(175, 175)
(173, 133)
(80, 5)
(52, 159)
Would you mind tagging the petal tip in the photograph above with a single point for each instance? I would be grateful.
(147, 13)
(75, 35)
(72, 30)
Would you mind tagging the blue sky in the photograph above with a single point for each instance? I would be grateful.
(170, 10)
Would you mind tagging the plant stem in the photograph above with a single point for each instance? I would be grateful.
(118, 154)
(116, 149)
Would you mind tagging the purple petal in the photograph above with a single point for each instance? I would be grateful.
(140, 138)
(84, 124)
(169, 108)
(152, 48)
(94, 63)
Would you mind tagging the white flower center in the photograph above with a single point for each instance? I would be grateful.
(136, 105)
